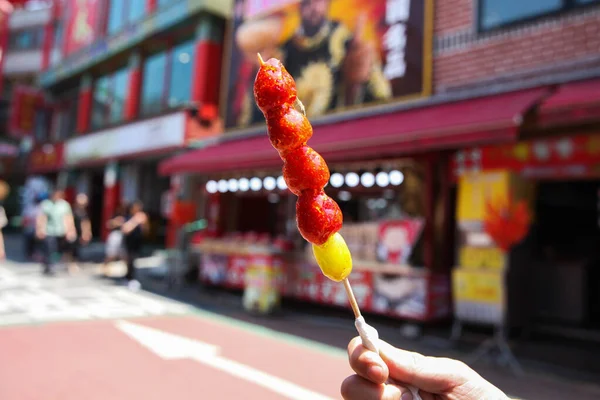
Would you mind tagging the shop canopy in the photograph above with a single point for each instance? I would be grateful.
(572, 103)
(450, 125)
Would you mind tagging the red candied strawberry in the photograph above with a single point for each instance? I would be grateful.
(288, 128)
(273, 86)
(303, 169)
(318, 216)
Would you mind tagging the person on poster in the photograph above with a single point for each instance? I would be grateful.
(333, 66)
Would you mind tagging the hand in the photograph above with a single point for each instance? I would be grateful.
(359, 60)
(382, 377)
(71, 236)
(2, 254)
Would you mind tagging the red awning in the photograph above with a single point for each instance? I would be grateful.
(572, 103)
(451, 125)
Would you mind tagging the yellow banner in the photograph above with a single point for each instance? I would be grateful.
(478, 286)
(481, 257)
(475, 189)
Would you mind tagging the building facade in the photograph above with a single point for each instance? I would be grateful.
(127, 84)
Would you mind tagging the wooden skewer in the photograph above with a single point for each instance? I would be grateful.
(352, 299)
(260, 59)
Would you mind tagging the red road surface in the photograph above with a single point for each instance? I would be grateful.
(95, 360)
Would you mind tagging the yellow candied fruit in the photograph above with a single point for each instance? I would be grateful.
(334, 258)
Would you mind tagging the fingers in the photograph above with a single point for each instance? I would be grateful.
(366, 363)
(358, 388)
(434, 375)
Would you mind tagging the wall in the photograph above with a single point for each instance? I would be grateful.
(465, 57)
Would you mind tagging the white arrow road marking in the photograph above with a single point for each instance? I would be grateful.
(173, 347)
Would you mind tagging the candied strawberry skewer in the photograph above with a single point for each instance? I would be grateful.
(318, 216)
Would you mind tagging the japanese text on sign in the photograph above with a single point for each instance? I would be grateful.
(396, 15)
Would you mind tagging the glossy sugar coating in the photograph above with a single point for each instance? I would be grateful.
(273, 86)
(334, 258)
(288, 128)
(318, 216)
(305, 169)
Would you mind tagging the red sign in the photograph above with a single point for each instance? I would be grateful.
(540, 158)
(26, 101)
(82, 23)
(46, 158)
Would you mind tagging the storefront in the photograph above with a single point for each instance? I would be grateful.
(389, 173)
(119, 165)
(549, 280)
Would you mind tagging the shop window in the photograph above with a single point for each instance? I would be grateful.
(64, 118)
(120, 84)
(27, 39)
(499, 13)
(153, 84)
(115, 16)
(181, 74)
(136, 10)
(167, 79)
(109, 98)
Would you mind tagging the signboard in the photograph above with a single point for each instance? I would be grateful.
(47, 157)
(475, 190)
(155, 134)
(82, 23)
(25, 102)
(478, 295)
(553, 157)
(342, 53)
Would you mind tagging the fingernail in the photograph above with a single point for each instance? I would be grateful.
(375, 372)
(407, 396)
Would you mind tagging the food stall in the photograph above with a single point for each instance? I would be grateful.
(253, 240)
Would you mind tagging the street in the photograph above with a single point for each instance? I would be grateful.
(82, 336)
(107, 342)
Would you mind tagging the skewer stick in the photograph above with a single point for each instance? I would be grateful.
(352, 299)
(260, 59)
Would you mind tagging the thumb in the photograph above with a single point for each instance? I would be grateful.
(431, 374)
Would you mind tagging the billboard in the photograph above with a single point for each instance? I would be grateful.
(26, 101)
(83, 18)
(342, 53)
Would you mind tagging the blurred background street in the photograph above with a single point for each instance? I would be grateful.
(150, 225)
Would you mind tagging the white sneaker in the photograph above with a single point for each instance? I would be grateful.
(134, 285)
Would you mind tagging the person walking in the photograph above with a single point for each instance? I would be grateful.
(55, 228)
(134, 230)
(114, 243)
(83, 228)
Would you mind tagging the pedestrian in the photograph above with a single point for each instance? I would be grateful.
(83, 227)
(30, 217)
(134, 230)
(55, 228)
(4, 191)
(114, 242)
(384, 376)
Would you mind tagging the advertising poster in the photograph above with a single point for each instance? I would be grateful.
(342, 53)
(82, 23)
(26, 102)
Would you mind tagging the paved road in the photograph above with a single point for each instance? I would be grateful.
(72, 338)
